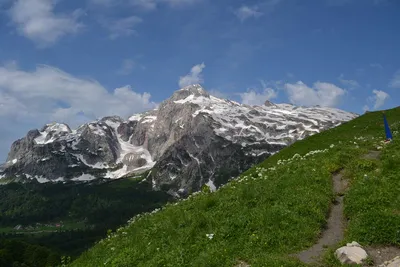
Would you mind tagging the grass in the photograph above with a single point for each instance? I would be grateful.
(273, 210)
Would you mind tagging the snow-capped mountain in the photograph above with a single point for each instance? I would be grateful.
(192, 139)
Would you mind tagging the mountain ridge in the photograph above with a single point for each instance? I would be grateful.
(192, 136)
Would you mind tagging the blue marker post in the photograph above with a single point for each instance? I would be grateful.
(389, 135)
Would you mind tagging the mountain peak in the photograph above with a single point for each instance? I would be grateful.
(56, 127)
(186, 94)
(195, 89)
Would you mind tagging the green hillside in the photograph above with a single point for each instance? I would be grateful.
(275, 209)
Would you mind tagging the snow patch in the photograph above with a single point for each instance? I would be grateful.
(40, 179)
(84, 177)
(136, 117)
(211, 185)
(96, 129)
(55, 128)
(193, 157)
(98, 165)
(149, 119)
(73, 165)
(172, 176)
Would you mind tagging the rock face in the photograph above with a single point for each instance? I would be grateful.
(192, 139)
(352, 253)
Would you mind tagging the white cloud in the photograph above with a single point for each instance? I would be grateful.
(379, 98)
(323, 94)
(351, 84)
(127, 67)
(103, 2)
(29, 99)
(145, 4)
(345, 2)
(193, 77)
(376, 65)
(251, 97)
(179, 3)
(395, 82)
(245, 12)
(121, 27)
(36, 20)
(48, 93)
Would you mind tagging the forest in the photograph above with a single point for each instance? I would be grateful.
(45, 222)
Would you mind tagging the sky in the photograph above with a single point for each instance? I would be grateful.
(74, 61)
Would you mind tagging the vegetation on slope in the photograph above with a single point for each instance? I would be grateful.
(68, 218)
(274, 210)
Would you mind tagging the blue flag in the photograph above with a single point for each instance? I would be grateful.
(387, 129)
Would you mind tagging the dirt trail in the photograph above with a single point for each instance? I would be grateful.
(334, 231)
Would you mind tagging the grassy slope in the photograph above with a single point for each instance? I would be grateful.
(273, 210)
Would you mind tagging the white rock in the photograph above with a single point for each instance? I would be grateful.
(392, 263)
(352, 253)
(395, 262)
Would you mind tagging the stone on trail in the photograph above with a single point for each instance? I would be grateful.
(352, 253)
(392, 263)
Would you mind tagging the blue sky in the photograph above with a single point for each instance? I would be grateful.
(77, 60)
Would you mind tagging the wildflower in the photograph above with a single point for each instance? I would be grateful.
(210, 236)
(296, 156)
(332, 146)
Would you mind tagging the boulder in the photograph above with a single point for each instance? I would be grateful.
(352, 253)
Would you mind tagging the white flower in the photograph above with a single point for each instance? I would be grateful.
(332, 146)
(296, 156)
(210, 236)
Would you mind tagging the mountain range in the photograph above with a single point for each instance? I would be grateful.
(192, 139)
